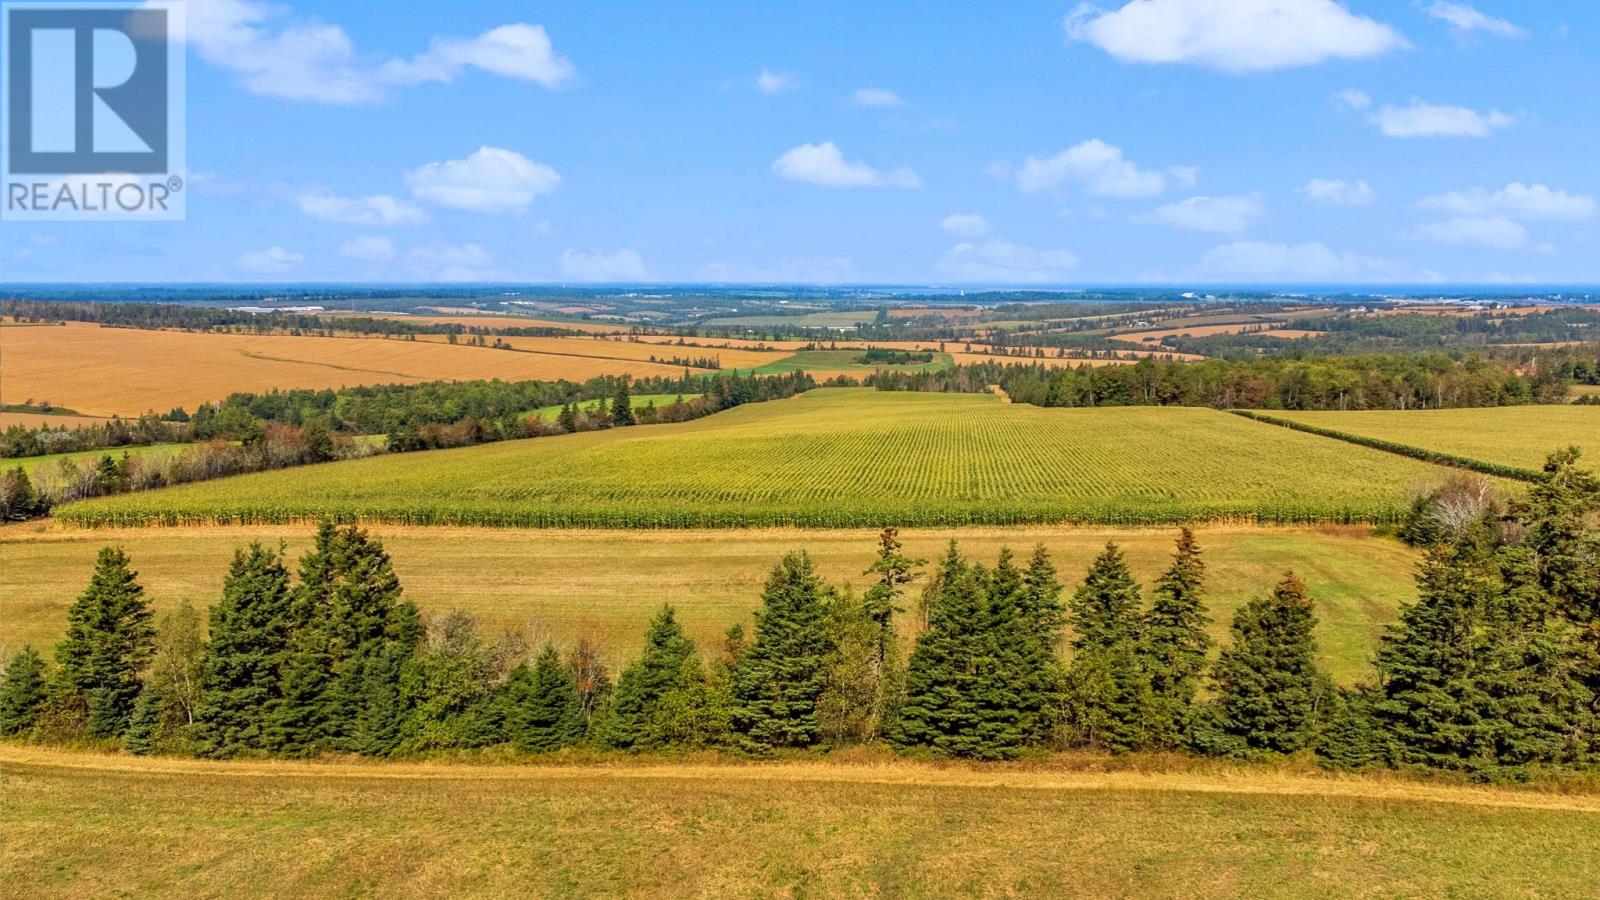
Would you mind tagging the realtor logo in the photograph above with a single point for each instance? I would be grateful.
(93, 111)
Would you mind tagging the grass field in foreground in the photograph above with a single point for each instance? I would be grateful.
(607, 583)
(80, 825)
(1508, 435)
(834, 458)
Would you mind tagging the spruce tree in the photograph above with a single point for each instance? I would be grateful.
(1173, 644)
(1040, 617)
(109, 641)
(249, 635)
(785, 668)
(624, 721)
(568, 418)
(959, 694)
(351, 629)
(22, 692)
(1266, 680)
(542, 709)
(1107, 688)
(622, 404)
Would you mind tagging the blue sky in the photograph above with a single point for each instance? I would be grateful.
(1185, 141)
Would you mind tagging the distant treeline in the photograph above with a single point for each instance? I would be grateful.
(1347, 334)
(210, 318)
(1418, 381)
(1492, 671)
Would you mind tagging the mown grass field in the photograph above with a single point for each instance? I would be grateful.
(834, 458)
(639, 402)
(125, 371)
(1508, 435)
(834, 362)
(34, 465)
(81, 825)
(606, 584)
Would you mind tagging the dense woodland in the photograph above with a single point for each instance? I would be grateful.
(1494, 671)
(1420, 381)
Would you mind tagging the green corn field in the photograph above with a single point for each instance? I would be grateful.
(834, 458)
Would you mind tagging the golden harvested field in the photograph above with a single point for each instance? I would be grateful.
(607, 583)
(1291, 333)
(731, 358)
(39, 420)
(105, 371)
(1155, 336)
(1509, 435)
(80, 824)
(489, 320)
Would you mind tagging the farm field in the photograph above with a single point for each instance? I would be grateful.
(639, 402)
(34, 465)
(79, 824)
(832, 362)
(730, 358)
(807, 320)
(124, 371)
(501, 320)
(46, 420)
(1509, 435)
(834, 458)
(607, 583)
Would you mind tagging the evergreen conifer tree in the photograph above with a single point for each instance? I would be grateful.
(622, 404)
(22, 692)
(624, 722)
(785, 669)
(542, 708)
(1106, 683)
(109, 641)
(351, 629)
(1173, 644)
(249, 635)
(1266, 680)
(960, 695)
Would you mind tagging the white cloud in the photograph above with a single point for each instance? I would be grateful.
(491, 180)
(1496, 232)
(271, 260)
(875, 97)
(1427, 120)
(623, 265)
(1337, 192)
(1462, 17)
(278, 54)
(769, 82)
(1263, 261)
(1231, 35)
(1098, 166)
(823, 164)
(969, 225)
(374, 209)
(1350, 98)
(1224, 215)
(1517, 200)
(368, 248)
(1002, 262)
(515, 51)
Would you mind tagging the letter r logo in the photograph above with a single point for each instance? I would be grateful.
(87, 89)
